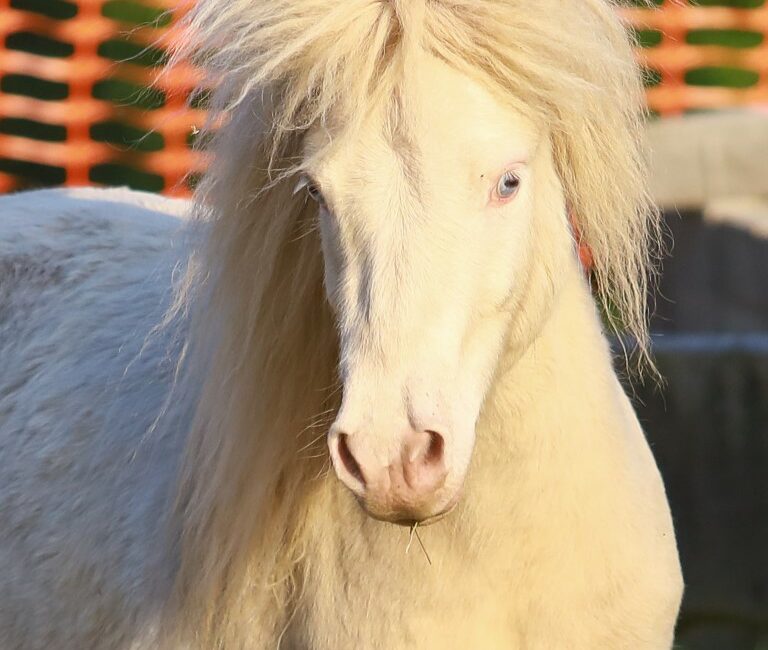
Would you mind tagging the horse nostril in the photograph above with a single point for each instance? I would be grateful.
(425, 449)
(423, 463)
(435, 449)
(348, 460)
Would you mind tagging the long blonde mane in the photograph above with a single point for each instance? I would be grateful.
(262, 336)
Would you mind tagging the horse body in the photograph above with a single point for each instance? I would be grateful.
(84, 277)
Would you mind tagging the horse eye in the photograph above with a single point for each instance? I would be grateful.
(508, 185)
(310, 187)
(314, 192)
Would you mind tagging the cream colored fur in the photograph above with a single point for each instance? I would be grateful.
(198, 508)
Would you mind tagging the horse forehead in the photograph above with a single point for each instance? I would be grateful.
(460, 118)
(439, 121)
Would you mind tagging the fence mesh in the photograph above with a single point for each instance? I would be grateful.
(80, 102)
(706, 55)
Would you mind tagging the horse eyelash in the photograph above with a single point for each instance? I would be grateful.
(303, 182)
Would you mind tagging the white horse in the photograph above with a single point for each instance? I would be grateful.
(382, 278)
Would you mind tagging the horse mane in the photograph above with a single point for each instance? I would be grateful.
(262, 338)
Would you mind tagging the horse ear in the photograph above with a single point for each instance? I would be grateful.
(585, 252)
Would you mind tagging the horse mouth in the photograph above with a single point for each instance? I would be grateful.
(411, 523)
(407, 518)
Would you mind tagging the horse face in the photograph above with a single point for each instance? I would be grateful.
(426, 226)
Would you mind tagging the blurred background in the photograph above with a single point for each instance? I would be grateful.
(81, 103)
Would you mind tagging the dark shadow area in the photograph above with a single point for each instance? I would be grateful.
(715, 279)
(708, 427)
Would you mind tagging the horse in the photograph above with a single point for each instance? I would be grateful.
(359, 392)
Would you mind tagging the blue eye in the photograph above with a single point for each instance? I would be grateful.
(508, 185)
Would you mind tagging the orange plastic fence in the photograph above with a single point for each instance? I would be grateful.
(77, 153)
(675, 59)
(79, 75)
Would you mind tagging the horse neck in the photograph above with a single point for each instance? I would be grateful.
(552, 407)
